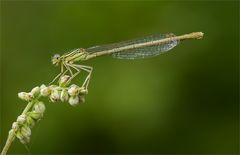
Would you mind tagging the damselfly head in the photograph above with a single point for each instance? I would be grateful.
(56, 59)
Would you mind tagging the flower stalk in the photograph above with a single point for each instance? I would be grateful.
(12, 133)
(35, 109)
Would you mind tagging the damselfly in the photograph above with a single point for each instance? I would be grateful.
(132, 49)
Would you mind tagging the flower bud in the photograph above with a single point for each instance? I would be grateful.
(30, 122)
(42, 86)
(45, 91)
(39, 107)
(15, 125)
(35, 115)
(73, 100)
(21, 119)
(25, 140)
(83, 91)
(64, 80)
(55, 96)
(19, 135)
(26, 131)
(73, 90)
(64, 95)
(25, 96)
(35, 91)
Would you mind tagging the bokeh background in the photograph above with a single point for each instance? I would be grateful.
(182, 102)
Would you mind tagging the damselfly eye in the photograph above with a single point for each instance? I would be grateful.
(56, 59)
(56, 56)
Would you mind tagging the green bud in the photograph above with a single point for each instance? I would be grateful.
(21, 119)
(55, 96)
(45, 91)
(73, 100)
(39, 107)
(19, 135)
(83, 91)
(26, 131)
(42, 86)
(25, 96)
(35, 91)
(30, 122)
(25, 140)
(64, 80)
(73, 90)
(64, 95)
(35, 115)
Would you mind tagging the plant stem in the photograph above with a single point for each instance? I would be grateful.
(11, 135)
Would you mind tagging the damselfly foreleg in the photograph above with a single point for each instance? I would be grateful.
(68, 69)
(60, 74)
(63, 72)
(56, 78)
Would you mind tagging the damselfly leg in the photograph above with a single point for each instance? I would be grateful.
(88, 69)
(68, 68)
(63, 72)
(59, 76)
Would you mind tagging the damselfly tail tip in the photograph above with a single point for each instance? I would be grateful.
(198, 35)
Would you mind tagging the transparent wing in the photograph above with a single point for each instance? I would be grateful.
(137, 53)
(148, 51)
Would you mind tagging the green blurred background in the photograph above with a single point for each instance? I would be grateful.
(182, 102)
